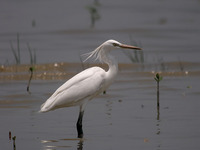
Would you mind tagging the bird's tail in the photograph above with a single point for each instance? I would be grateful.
(43, 108)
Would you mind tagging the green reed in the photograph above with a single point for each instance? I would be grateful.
(135, 56)
(94, 12)
(16, 52)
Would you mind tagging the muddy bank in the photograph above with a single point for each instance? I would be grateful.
(55, 71)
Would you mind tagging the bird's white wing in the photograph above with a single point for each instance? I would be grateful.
(86, 84)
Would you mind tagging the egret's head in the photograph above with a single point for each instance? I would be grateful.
(102, 51)
(112, 44)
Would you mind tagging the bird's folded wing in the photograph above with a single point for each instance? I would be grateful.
(86, 84)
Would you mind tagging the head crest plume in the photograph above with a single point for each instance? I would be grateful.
(94, 54)
(99, 53)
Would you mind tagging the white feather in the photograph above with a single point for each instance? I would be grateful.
(72, 92)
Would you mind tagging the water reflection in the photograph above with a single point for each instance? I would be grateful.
(63, 143)
(109, 110)
(158, 130)
(80, 145)
(158, 112)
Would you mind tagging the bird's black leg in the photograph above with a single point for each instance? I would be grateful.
(79, 124)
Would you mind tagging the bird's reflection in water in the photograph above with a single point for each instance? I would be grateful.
(68, 143)
(80, 145)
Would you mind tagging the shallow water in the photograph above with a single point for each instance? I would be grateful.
(167, 31)
(126, 116)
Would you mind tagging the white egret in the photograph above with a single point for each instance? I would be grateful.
(89, 83)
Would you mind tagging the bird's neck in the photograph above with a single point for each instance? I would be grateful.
(113, 66)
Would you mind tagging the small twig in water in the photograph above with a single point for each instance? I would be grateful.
(14, 146)
(32, 54)
(94, 14)
(158, 78)
(31, 69)
(18, 47)
(10, 135)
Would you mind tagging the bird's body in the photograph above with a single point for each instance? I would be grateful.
(67, 95)
(87, 84)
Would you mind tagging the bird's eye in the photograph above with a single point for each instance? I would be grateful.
(115, 44)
